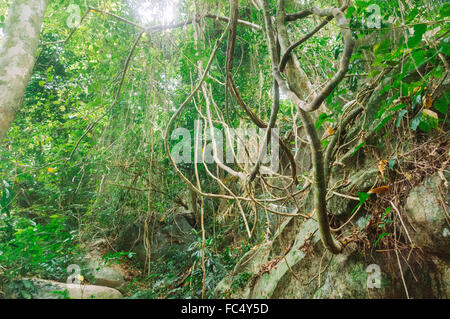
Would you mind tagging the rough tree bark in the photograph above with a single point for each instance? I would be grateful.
(17, 56)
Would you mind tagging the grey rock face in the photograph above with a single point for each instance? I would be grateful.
(346, 275)
(175, 231)
(427, 208)
(107, 276)
(48, 289)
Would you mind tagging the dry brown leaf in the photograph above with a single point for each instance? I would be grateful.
(328, 132)
(382, 167)
(431, 113)
(427, 101)
(379, 190)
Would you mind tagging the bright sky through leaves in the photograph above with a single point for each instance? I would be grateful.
(158, 11)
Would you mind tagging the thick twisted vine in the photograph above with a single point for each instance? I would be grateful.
(294, 93)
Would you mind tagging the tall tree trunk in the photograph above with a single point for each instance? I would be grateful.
(17, 56)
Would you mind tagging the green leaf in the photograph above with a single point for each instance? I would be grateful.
(412, 14)
(337, 51)
(438, 71)
(325, 142)
(404, 88)
(350, 11)
(324, 117)
(386, 211)
(397, 107)
(415, 122)
(445, 48)
(417, 101)
(391, 163)
(400, 116)
(442, 103)
(358, 147)
(428, 121)
(6, 199)
(383, 122)
(419, 58)
(381, 236)
(419, 30)
(362, 199)
(444, 11)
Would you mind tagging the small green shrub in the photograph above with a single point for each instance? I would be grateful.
(43, 250)
(241, 281)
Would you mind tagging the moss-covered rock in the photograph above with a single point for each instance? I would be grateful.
(427, 208)
(35, 288)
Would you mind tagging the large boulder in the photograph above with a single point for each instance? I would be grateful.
(103, 274)
(304, 269)
(427, 208)
(441, 278)
(48, 289)
(108, 276)
(361, 180)
(173, 231)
